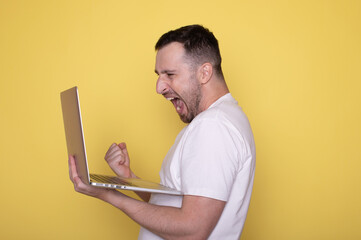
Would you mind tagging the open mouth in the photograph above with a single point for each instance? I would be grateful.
(177, 103)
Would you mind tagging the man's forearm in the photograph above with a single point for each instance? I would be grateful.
(167, 222)
(156, 219)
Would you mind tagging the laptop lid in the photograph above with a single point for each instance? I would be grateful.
(74, 131)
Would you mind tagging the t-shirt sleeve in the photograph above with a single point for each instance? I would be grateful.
(209, 161)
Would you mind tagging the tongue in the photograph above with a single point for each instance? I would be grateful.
(178, 104)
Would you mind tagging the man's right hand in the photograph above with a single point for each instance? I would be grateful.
(118, 159)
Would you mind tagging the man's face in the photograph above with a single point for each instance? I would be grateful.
(177, 81)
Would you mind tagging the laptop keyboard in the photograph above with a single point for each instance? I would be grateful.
(108, 179)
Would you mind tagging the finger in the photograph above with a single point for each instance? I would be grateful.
(124, 149)
(116, 156)
(79, 186)
(126, 156)
(122, 145)
(73, 170)
(114, 153)
(111, 149)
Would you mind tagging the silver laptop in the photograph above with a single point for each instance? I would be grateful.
(76, 147)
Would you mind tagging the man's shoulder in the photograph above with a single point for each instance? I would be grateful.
(221, 111)
(226, 115)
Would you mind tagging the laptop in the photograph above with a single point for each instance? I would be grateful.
(76, 147)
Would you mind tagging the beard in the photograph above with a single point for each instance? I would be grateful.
(191, 98)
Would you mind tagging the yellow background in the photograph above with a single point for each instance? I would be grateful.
(294, 67)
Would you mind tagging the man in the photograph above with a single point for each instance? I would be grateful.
(212, 160)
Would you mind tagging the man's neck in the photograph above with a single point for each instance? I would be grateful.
(212, 93)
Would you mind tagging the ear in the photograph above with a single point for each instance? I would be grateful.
(205, 73)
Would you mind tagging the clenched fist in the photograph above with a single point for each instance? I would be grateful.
(118, 159)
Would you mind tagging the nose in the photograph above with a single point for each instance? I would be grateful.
(162, 86)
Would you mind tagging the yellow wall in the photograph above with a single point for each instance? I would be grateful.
(294, 66)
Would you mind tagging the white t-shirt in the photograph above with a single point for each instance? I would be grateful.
(214, 156)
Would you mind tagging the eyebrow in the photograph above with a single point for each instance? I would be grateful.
(165, 71)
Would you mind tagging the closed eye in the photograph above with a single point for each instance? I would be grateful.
(170, 75)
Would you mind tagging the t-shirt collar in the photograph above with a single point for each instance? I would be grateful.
(226, 97)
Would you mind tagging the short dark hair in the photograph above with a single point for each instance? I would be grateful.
(199, 43)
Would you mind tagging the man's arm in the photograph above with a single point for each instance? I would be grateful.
(194, 220)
